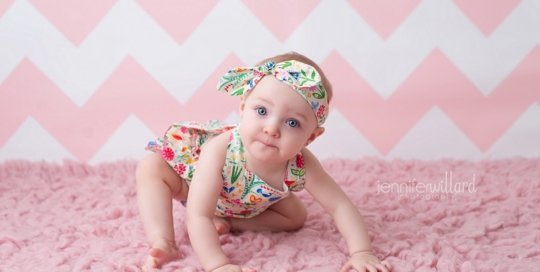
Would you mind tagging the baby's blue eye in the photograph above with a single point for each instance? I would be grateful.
(261, 111)
(293, 123)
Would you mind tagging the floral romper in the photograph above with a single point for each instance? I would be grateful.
(244, 194)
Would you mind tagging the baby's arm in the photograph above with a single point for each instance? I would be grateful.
(204, 190)
(345, 214)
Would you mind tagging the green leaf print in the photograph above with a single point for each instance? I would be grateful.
(234, 80)
(286, 64)
(247, 186)
(238, 92)
(313, 75)
(320, 95)
(298, 173)
(306, 79)
(236, 171)
(225, 82)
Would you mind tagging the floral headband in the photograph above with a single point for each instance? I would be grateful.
(302, 78)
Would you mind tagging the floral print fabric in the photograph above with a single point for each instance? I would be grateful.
(302, 78)
(182, 142)
(244, 194)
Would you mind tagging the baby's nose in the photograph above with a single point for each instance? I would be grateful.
(272, 129)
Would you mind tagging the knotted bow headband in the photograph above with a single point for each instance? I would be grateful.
(302, 78)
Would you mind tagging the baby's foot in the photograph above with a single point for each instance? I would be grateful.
(162, 251)
(223, 224)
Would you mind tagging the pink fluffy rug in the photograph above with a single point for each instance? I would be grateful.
(75, 217)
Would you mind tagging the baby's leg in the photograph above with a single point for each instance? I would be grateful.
(286, 215)
(157, 185)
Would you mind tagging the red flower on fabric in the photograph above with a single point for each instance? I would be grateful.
(300, 161)
(184, 129)
(320, 111)
(246, 212)
(180, 168)
(257, 73)
(167, 153)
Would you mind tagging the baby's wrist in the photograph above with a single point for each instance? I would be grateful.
(366, 251)
(220, 268)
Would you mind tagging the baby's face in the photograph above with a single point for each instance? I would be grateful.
(276, 121)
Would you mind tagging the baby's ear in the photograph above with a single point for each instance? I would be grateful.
(242, 105)
(316, 133)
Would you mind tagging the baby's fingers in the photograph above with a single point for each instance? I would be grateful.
(369, 267)
(348, 266)
(382, 268)
(373, 267)
(387, 265)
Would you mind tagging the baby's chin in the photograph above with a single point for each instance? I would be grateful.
(272, 155)
(265, 154)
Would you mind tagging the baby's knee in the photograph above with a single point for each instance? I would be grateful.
(148, 167)
(301, 216)
(153, 169)
(298, 218)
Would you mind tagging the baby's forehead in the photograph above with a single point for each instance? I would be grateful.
(285, 97)
(271, 87)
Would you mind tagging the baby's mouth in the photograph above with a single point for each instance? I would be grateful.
(267, 144)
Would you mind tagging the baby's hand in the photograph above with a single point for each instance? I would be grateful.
(366, 261)
(233, 268)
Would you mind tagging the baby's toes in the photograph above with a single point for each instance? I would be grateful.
(157, 258)
(151, 262)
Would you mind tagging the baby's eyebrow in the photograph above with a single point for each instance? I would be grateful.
(264, 100)
(302, 116)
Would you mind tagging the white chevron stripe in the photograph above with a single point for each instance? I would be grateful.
(130, 139)
(386, 64)
(521, 139)
(341, 139)
(233, 118)
(127, 30)
(433, 137)
(230, 27)
(127, 142)
(32, 142)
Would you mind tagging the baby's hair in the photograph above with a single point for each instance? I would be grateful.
(306, 60)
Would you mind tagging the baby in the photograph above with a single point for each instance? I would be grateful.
(241, 177)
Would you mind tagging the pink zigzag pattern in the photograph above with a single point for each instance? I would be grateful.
(178, 17)
(4, 6)
(75, 19)
(282, 21)
(130, 89)
(384, 16)
(436, 81)
(487, 15)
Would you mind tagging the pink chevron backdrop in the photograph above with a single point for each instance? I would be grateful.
(95, 80)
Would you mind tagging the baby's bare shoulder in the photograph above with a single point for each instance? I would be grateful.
(312, 162)
(218, 144)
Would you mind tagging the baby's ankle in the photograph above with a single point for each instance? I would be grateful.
(160, 242)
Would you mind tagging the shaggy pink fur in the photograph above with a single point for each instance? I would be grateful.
(75, 217)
